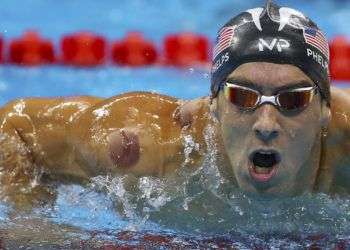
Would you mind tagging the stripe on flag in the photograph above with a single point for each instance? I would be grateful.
(318, 40)
(224, 40)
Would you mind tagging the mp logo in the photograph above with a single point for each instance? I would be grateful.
(277, 43)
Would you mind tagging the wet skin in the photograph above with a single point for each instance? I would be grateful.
(74, 139)
(296, 136)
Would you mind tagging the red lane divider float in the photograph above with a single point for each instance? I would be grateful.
(186, 49)
(134, 50)
(1, 48)
(31, 50)
(83, 49)
(340, 59)
(86, 49)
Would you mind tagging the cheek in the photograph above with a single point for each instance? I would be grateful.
(235, 131)
(302, 133)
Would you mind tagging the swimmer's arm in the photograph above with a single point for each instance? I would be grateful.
(17, 182)
(22, 123)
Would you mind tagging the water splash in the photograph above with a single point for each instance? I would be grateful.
(189, 146)
(200, 207)
(203, 201)
(117, 188)
(4, 211)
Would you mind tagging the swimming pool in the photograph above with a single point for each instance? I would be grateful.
(193, 210)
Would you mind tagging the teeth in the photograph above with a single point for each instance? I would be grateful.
(266, 153)
(260, 170)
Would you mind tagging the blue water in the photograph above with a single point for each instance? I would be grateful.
(155, 18)
(105, 81)
(195, 210)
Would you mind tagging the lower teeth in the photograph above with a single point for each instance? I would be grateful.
(261, 170)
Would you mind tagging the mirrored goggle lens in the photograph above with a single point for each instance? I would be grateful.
(293, 100)
(241, 97)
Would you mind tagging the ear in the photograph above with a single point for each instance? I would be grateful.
(214, 108)
(326, 115)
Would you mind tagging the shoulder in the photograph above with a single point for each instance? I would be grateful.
(337, 146)
(130, 109)
(192, 111)
(340, 95)
(39, 107)
(142, 100)
(135, 106)
(340, 109)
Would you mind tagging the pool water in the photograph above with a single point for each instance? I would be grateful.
(190, 210)
(51, 81)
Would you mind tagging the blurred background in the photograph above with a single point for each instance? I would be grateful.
(111, 21)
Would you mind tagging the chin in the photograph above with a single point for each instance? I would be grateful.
(268, 190)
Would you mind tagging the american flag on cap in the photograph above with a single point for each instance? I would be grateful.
(316, 39)
(224, 39)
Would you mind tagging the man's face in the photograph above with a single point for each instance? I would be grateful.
(271, 151)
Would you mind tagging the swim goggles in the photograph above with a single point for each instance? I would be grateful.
(249, 99)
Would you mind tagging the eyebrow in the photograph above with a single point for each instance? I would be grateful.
(291, 85)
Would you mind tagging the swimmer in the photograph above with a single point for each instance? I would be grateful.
(277, 129)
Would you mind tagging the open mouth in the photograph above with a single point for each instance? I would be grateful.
(263, 164)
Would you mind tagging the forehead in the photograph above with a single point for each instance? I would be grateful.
(270, 75)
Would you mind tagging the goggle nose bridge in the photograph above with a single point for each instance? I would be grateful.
(267, 99)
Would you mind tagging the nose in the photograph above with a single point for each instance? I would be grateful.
(266, 127)
(266, 135)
